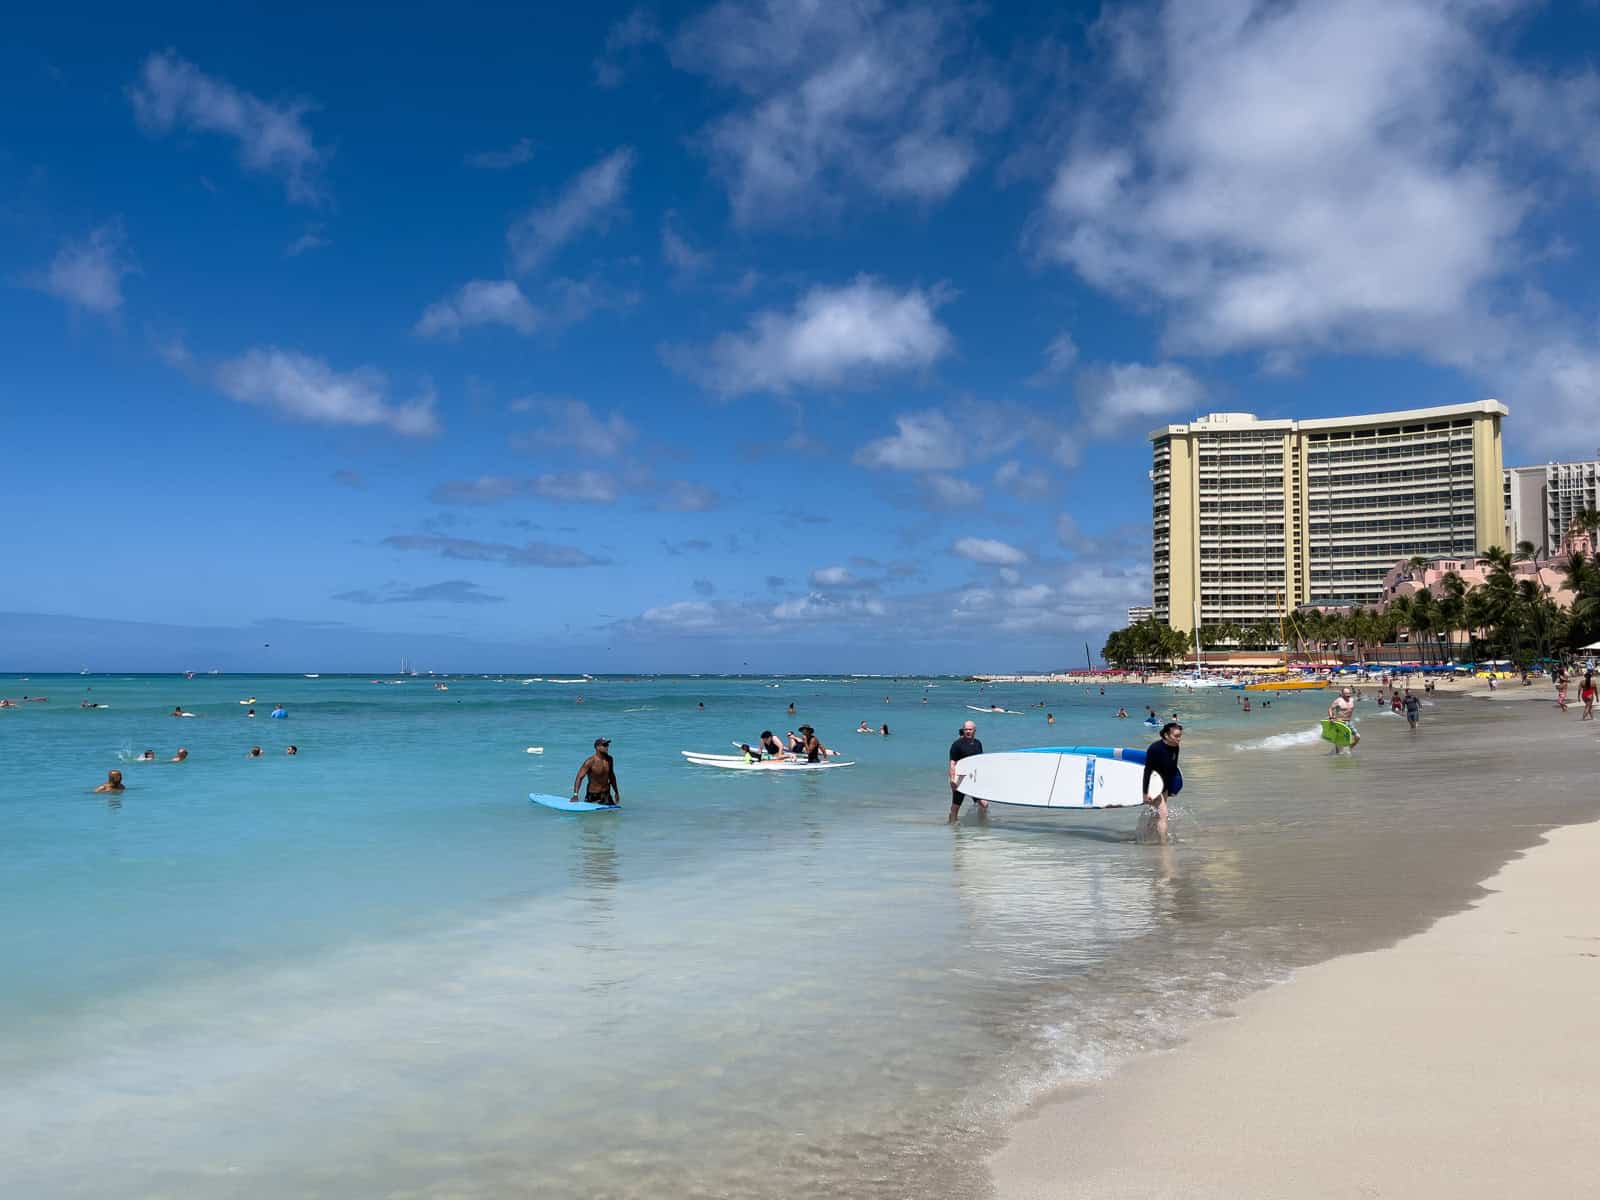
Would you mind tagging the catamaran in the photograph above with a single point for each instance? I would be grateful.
(1198, 677)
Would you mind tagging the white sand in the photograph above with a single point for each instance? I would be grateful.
(1463, 1062)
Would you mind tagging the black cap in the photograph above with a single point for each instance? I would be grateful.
(602, 741)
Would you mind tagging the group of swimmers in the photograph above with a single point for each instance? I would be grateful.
(114, 782)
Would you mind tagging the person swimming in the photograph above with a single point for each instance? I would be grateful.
(180, 756)
(292, 750)
(148, 756)
(863, 728)
(113, 782)
(255, 752)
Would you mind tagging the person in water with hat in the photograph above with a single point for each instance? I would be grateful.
(602, 772)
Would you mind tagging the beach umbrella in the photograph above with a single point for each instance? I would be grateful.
(1592, 646)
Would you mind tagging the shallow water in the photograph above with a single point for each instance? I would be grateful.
(375, 969)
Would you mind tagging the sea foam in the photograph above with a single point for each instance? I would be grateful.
(1283, 741)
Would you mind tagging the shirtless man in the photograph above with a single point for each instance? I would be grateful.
(113, 782)
(602, 772)
(810, 748)
(1343, 710)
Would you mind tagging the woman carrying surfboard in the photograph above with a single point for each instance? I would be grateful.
(1162, 779)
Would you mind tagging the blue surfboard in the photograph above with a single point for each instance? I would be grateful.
(1121, 753)
(568, 804)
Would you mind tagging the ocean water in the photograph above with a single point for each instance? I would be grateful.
(374, 969)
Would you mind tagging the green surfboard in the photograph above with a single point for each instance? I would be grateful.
(1337, 732)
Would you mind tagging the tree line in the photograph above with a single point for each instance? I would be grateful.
(1505, 617)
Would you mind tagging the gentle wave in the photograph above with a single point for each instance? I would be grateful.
(1283, 741)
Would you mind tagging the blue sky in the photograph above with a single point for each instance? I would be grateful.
(804, 336)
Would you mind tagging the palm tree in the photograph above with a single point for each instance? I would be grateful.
(1526, 552)
(1424, 619)
(1589, 519)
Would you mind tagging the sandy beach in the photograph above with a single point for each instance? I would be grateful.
(1461, 1062)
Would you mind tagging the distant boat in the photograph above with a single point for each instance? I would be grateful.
(312, 677)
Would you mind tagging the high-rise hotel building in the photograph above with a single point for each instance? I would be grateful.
(1542, 502)
(1256, 517)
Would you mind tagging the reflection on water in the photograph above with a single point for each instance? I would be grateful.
(740, 986)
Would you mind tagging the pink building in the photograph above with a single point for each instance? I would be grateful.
(1405, 580)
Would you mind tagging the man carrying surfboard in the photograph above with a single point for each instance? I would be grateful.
(965, 746)
(1162, 779)
(1343, 710)
(602, 773)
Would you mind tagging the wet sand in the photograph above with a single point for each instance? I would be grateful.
(1460, 1062)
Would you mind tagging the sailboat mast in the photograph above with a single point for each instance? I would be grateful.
(1199, 651)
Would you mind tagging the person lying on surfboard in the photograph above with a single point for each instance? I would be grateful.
(602, 773)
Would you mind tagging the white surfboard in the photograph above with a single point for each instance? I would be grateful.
(997, 712)
(728, 763)
(1035, 780)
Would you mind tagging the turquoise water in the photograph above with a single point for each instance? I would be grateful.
(375, 969)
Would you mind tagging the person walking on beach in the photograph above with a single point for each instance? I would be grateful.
(1161, 764)
(1343, 710)
(965, 746)
(602, 773)
(1561, 688)
(1586, 694)
(1413, 708)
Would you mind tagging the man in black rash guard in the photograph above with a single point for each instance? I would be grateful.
(963, 747)
(1161, 759)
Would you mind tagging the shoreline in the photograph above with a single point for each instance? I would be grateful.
(1448, 1064)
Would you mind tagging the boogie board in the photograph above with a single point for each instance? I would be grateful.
(1337, 732)
(568, 804)
(997, 712)
(1051, 780)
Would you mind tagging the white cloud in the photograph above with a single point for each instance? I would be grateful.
(1012, 477)
(88, 273)
(529, 554)
(817, 606)
(922, 441)
(1060, 356)
(579, 487)
(682, 496)
(832, 336)
(946, 493)
(479, 302)
(311, 239)
(590, 201)
(303, 388)
(623, 41)
(514, 155)
(888, 98)
(989, 552)
(1125, 399)
(678, 254)
(572, 423)
(683, 616)
(832, 577)
(1296, 177)
(172, 93)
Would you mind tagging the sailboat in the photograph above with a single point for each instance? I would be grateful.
(1281, 681)
(1198, 677)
